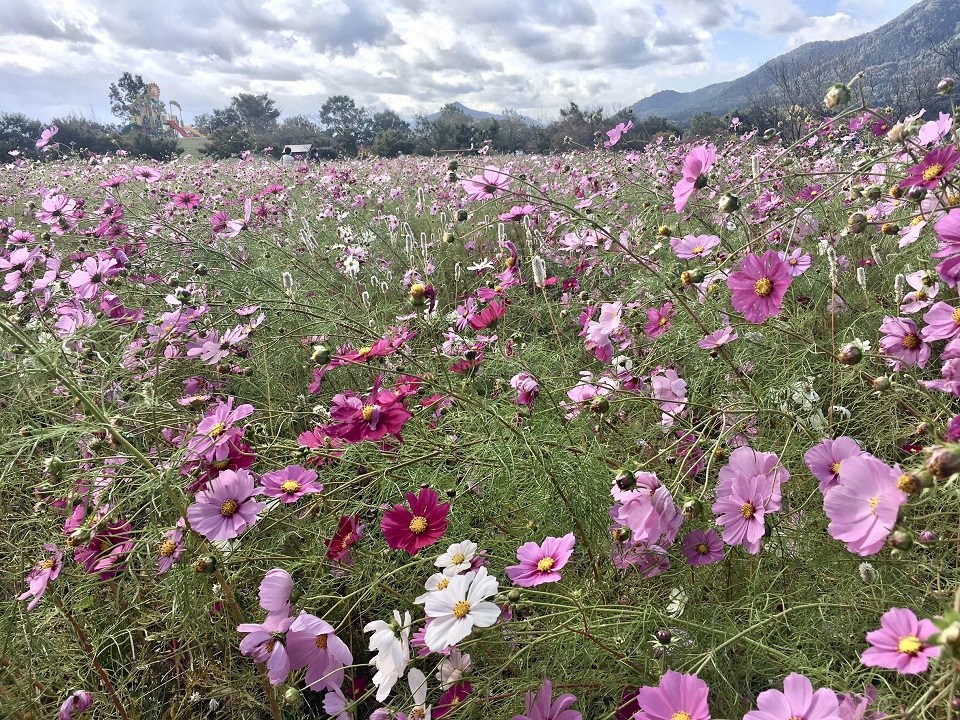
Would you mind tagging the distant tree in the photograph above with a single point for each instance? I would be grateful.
(19, 134)
(124, 92)
(348, 123)
(390, 143)
(388, 120)
(706, 124)
(576, 128)
(296, 130)
(257, 113)
(140, 144)
(226, 142)
(79, 135)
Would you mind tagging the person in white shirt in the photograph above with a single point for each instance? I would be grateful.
(287, 159)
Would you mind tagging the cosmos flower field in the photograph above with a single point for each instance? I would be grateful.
(665, 434)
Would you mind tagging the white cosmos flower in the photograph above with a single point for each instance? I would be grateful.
(437, 581)
(457, 558)
(453, 668)
(459, 607)
(418, 688)
(393, 652)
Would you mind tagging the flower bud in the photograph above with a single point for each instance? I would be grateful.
(945, 86)
(691, 510)
(452, 165)
(881, 383)
(320, 354)
(461, 215)
(850, 354)
(928, 537)
(599, 405)
(54, 466)
(901, 540)
(205, 565)
(942, 462)
(292, 696)
(898, 133)
(514, 595)
(916, 193)
(449, 238)
(856, 223)
(837, 96)
(625, 480)
(663, 636)
(729, 203)
(417, 294)
(620, 534)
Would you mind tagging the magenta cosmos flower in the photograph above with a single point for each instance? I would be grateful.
(678, 696)
(526, 386)
(718, 339)
(863, 505)
(933, 168)
(902, 344)
(798, 700)
(290, 484)
(658, 321)
(695, 168)
(943, 323)
(759, 286)
(825, 457)
(226, 509)
(489, 184)
(741, 510)
(702, 547)
(79, 701)
(170, 549)
(541, 563)
(541, 706)
(382, 413)
(40, 576)
(901, 643)
(349, 531)
(418, 526)
(216, 429)
(615, 133)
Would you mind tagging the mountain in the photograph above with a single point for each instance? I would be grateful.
(901, 62)
(478, 114)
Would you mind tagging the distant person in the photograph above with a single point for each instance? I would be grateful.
(315, 155)
(287, 159)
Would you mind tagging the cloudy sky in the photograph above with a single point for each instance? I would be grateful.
(534, 56)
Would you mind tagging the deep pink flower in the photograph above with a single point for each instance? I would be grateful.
(226, 509)
(702, 547)
(658, 321)
(757, 289)
(451, 699)
(798, 700)
(541, 706)
(314, 645)
(186, 200)
(290, 484)
(526, 386)
(863, 505)
(677, 696)
(695, 168)
(951, 378)
(487, 317)
(79, 701)
(349, 531)
(490, 183)
(824, 459)
(933, 168)
(169, 550)
(40, 576)
(541, 563)
(382, 413)
(718, 338)
(694, 246)
(416, 527)
(902, 343)
(106, 551)
(901, 643)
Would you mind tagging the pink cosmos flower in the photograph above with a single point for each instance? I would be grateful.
(718, 338)
(517, 212)
(933, 168)
(649, 511)
(694, 246)
(824, 459)
(677, 696)
(702, 547)
(105, 554)
(741, 510)
(947, 229)
(950, 382)
(757, 289)
(542, 707)
(349, 531)
(488, 317)
(924, 290)
(416, 527)
(490, 183)
(186, 200)
(901, 643)
(671, 390)
(798, 262)
(864, 504)
(169, 550)
(47, 135)
(382, 413)
(658, 321)
(216, 429)
(613, 134)
(541, 563)
(274, 592)
(94, 271)
(451, 699)
(40, 576)
(526, 386)
(314, 645)
(226, 509)
(290, 484)
(798, 700)
(935, 130)
(902, 344)
(79, 701)
(267, 642)
(695, 168)
(943, 323)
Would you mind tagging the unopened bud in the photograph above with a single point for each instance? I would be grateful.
(856, 223)
(691, 510)
(945, 86)
(881, 383)
(599, 405)
(320, 354)
(625, 480)
(729, 203)
(850, 354)
(205, 565)
(837, 96)
(514, 595)
(901, 540)
(292, 696)
(942, 462)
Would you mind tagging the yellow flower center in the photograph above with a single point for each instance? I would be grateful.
(545, 565)
(458, 558)
(418, 525)
(663, 321)
(461, 609)
(763, 287)
(49, 563)
(229, 507)
(418, 713)
(909, 645)
(510, 262)
(220, 464)
(917, 220)
(680, 716)
(748, 510)
(322, 642)
(697, 250)
(364, 351)
(911, 341)
(835, 468)
(955, 316)
(703, 549)
(217, 430)
(933, 172)
(953, 200)
(290, 486)
(873, 503)
(367, 413)
(443, 583)
(417, 290)
(906, 483)
(167, 548)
